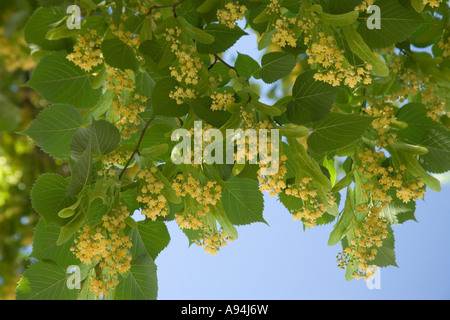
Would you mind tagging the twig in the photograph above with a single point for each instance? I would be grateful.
(136, 150)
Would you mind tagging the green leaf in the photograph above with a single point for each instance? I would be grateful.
(291, 5)
(141, 281)
(437, 141)
(224, 38)
(272, 111)
(224, 221)
(337, 130)
(386, 253)
(60, 33)
(11, 115)
(246, 66)
(242, 201)
(312, 100)
(53, 129)
(119, 55)
(340, 6)
(397, 24)
(68, 230)
(97, 209)
(202, 108)
(346, 219)
(162, 103)
(196, 33)
(42, 20)
(155, 135)
(150, 237)
(418, 5)
(428, 33)
(102, 136)
(276, 65)
(44, 281)
(413, 167)
(415, 115)
(60, 81)
(144, 84)
(339, 19)
(398, 212)
(49, 196)
(81, 173)
(45, 247)
(343, 183)
(293, 131)
(358, 46)
(305, 166)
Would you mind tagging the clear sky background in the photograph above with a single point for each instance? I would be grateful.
(281, 261)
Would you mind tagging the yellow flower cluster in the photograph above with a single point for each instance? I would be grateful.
(117, 157)
(86, 53)
(231, 14)
(336, 68)
(433, 3)
(156, 204)
(276, 183)
(407, 189)
(284, 27)
(444, 44)
(14, 54)
(364, 5)
(203, 197)
(206, 194)
(180, 95)
(125, 109)
(213, 240)
(413, 84)
(220, 100)
(128, 113)
(313, 206)
(249, 121)
(384, 118)
(191, 221)
(362, 248)
(284, 32)
(187, 66)
(126, 37)
(119, 80)
(106, 246)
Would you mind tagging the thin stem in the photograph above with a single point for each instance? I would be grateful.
(221, 60)
(173, 6)
(136, 150)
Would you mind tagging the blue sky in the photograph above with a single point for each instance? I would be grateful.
(281, 261)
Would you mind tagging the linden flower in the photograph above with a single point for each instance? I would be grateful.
(432, 3)
(284, 35)
(326, 53)
(220, 100)
(87, 53)
(203, 198)
(107, 246)
(231, 14)
(155, 203)
(413, 84)
(360, 250)
(276, 183)
(13, 56)
(186, 70)
(364, 5)
(313, 206)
